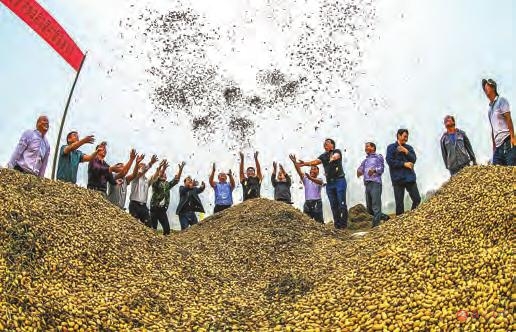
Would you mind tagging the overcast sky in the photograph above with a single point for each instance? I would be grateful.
(426, 60)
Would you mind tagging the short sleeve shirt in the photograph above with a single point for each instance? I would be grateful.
(312, 189)
(251, 187)
(496, 117)
(223, 194)
(334, 168)
(117, 193)
(68, 165)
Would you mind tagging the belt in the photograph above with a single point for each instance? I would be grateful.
(96, 188)
(139, 203)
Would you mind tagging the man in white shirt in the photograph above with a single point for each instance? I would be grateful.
(140, 190)
(502, 129)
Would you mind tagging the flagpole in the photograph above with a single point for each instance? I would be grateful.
(56, 152)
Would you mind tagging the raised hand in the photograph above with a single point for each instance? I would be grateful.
(230, 173)
(181, 165)
(90, 139)
(292, 157)
(132, 154)
(274, 165)
(256, 155)
(213, 168)
(281, 168)
(241, 154)
(140, 158)
(154, 159)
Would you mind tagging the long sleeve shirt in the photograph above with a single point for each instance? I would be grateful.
(31, 153)
(99, 175)
(396, 160)
(375, 162)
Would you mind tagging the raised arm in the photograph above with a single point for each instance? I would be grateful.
(127, 166)
(242, 175)
(258, 167)
(314, 162)
(212, 176)
(153, 160)
(90, 139)
(159, 171)
(273, 175)
(231, 180)
(176, 178)
(134, 174)
(297, 166)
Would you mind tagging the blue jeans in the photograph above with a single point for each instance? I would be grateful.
(505, 154)
(336, 191)
(187, 219)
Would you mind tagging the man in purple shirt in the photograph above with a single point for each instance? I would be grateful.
(31, 153)
(372, 169)
(313, 185)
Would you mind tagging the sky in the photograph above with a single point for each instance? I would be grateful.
(426, 60)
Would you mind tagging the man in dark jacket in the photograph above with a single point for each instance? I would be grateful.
(401, 159)
(189, 202)
(455, 147)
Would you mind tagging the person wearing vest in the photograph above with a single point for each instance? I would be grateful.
(455, 147)
(252, 180)
(223, 189)
(336, 184)
(502, 128)
(401, 158)
(189, 202)
(313, 186)
(160, 198)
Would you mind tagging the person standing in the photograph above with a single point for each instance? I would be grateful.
(160, 198)
(31, 154)
(99, 172)
(281, 185)
(455, 147)
(336, 184)
(117, 193)
(189, 202)
(70, 156)
(140, 190)
(252, 179)
(401, 158)
(372, 168)
(223, 189)
(502, 128)
(313, 185)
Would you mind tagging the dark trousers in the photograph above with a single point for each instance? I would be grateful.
(454, 171)
(139, 211)
(158, 213)
(187, 219)
(505, 154)
(336, 191)
(399, 195)
(373, 193)
(219, 208)
(313, 208)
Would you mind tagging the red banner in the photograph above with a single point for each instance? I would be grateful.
(47, 27)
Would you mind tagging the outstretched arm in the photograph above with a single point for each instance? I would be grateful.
(134, 174)
(242, 175)
(176, 178)
(258, 167)
(90, 139)
(231, 180)
(297, 166)
(212, 176)
(273, 175)
(314, 180)
(127, 166)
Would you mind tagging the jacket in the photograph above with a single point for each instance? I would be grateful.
(190, 196)
(396, 159)
(458, 153)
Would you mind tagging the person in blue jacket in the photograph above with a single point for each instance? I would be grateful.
(401, 159)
